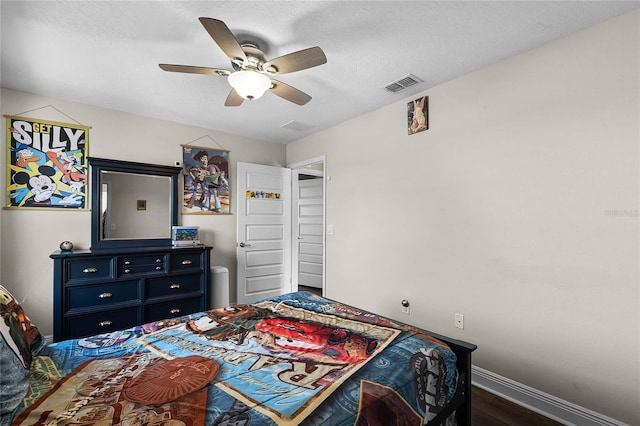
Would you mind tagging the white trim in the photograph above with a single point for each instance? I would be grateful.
(48, 338)
(542, 403)
(304, 163)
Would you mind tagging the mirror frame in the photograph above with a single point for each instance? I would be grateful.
(98, 165)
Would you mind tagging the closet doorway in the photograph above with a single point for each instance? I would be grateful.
(308, 230)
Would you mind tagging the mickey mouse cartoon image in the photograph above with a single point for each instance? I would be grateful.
(43, 188)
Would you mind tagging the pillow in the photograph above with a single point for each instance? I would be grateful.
(20, 341)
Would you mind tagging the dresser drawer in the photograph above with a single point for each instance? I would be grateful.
(140, 269)
(102, 294)
(172, 286)
(186, 261)
(131, 261)
(174, 308)
(90, 269)
(130, 265)
(103, 322)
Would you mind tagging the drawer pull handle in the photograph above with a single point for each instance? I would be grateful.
(105, 295)
(158, 268)
(90, 270)
(174, 286)
(187, 262)
(158, 260)
(174, 311)
(127, 271)
(104, 323)
(126, 262)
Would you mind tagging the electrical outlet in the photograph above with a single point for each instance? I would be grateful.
(459, 321)
(405, 306)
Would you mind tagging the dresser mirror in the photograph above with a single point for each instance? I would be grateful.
(132, 204)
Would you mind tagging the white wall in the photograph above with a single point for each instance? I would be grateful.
(518, 208)
(29, 237)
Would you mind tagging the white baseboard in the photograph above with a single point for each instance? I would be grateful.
(542, 403)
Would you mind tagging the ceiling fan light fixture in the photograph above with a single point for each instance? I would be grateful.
(249, 84)
(252, 68)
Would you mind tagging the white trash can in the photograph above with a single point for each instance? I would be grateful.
(218, 287)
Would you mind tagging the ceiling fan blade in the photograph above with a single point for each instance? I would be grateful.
(234, 99)
(194, 70)
(289, 93)
(223, 36)
(296, 61)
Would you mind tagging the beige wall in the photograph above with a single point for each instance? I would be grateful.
(518, 208)
(29, 237)
(125, 219)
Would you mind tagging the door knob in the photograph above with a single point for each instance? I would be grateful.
(244, 245)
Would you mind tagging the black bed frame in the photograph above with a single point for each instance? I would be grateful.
(461, 401)
(460, 404)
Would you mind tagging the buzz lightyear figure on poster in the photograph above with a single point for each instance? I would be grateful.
(209, 178)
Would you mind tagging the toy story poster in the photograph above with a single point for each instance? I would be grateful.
(206, 180)
(46, 164)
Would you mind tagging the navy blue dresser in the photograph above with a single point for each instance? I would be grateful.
(104, 290)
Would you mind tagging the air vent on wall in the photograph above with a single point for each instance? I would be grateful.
(297, 126)
(402, 83)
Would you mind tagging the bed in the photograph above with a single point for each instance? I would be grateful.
(293, 359)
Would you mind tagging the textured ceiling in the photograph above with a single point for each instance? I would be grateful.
(106, 53)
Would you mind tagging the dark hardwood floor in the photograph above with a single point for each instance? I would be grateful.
(488, 409)
(317, 291)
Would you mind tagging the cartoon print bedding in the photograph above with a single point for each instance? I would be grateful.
(288, 360)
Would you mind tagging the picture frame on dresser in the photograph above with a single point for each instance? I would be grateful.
(182, 236)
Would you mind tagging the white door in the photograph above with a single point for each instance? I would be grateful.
(264, 232)
(308, 204)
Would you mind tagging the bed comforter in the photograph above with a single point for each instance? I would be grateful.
(288, 360)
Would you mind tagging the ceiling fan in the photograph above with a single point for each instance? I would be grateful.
(252, 70)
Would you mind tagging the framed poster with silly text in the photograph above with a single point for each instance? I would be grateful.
(46, 164)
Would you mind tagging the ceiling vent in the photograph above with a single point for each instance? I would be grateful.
(402, 83)
(297, 126)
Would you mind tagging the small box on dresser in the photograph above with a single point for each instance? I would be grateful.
(106, 290)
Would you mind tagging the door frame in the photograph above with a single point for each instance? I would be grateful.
(301, 165)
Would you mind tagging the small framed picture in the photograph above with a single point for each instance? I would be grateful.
(418, 115)
(184, 235)
(142, 204)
